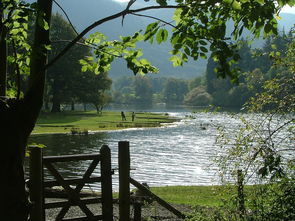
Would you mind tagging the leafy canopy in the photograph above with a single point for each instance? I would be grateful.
(199, 28)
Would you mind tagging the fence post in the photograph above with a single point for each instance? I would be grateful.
(106, 183)
(137, 211)
(124, 181)
(241, 198)
(36, 183)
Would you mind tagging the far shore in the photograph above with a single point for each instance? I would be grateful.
(83, 123)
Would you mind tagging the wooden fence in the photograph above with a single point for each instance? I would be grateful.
(37, 185)
(124, 188)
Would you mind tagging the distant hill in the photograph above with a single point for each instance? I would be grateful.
(83, 13)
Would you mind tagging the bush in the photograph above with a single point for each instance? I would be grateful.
(198, 97)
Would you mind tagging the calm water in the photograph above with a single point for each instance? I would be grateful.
(176, 154)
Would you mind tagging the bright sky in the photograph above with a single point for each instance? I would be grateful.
(286, 9)
(121, 1)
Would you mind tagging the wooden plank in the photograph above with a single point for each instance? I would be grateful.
(61, 193)
(51, 183)
(73, 194)
(124, 183)
(67, 158)
(88, 172)
(158, 199)
(137, 211)
(64, 203)
(36, 184)
(106, 184)
(97, 217)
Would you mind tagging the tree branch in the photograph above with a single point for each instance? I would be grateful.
(106, 19)
(92, 46)
(155, 18)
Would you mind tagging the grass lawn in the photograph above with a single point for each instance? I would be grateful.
(79, 122)
(209, 196)
(191, 195)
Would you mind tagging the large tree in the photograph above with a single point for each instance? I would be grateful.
(92, 89)
(62, 76)
(197, 24)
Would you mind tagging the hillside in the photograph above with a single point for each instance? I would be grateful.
(83, 13)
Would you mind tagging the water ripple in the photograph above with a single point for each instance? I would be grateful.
(178, 154)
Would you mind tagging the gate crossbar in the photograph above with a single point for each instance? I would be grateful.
(73, 193)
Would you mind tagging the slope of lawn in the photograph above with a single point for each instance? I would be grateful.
(83, 122)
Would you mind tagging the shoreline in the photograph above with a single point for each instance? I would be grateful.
(82, 129)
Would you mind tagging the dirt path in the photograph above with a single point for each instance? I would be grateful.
(150, 212)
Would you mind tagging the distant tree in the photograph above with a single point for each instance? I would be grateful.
(198, 97)
(245, 62)
(123, 82)
(210, 75)
(93, 89)
(143, 91)
(196, 82)
(158, 84)
(174, 91)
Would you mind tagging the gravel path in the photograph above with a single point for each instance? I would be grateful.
(150, 212)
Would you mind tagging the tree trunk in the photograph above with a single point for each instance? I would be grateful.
(55, 104)
(3, 56)
(17, 120)
(55, 96)
(72, 105)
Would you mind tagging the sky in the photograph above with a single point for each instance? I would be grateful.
(286, 9)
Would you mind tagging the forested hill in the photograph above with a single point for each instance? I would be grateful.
(83, 13)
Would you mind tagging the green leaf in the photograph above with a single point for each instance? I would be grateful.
(151, 27)
(176, 61)
(162, 2)
(187, 51)
(161, 36)
(202, 42)
(84, 68)
(203, 49)
(177, 16)
(236, 5)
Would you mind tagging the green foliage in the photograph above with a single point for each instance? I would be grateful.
(174, 91)
(65, 79)
(106, 51)
(262, 147)
(142, 91)
(93, 89)
(273, 202)
(198, 97)
(145, 91)
(196, 82)
(255, 67)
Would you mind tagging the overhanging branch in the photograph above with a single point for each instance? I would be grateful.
(106, 19)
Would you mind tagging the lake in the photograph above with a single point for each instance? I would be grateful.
(181, 153)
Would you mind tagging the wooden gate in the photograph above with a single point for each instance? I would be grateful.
(37, 185)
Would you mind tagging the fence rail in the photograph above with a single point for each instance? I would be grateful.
(74, 197)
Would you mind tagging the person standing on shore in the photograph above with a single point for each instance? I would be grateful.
(133, 116)
(123, 116)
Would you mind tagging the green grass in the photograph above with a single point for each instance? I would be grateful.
(66, 122)
(209, 196)
(191, 195)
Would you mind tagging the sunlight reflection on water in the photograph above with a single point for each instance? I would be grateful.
(178, 154)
